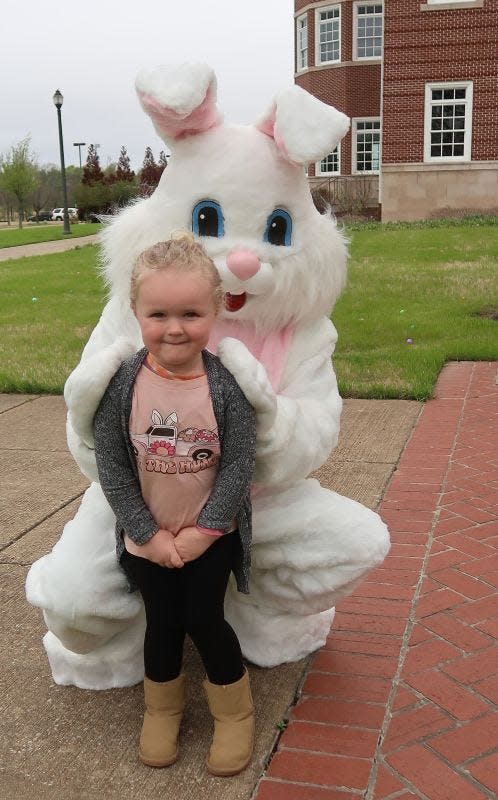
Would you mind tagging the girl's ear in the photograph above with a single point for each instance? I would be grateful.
(180, 100)
(304, 128)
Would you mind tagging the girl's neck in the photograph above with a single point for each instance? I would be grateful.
(159, 369)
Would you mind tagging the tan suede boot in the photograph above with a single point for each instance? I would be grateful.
(233, 712)
(164, 704)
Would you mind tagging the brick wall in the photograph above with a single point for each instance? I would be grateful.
(352, 87)
(431, 46)
(354, 90)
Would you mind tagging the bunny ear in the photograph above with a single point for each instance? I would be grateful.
(172, 419)
(180, 100)
(156, 417)
(304, 128)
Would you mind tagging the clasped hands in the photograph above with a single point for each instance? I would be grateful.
(168, 550)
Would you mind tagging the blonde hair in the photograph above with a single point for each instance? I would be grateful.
(181, 252)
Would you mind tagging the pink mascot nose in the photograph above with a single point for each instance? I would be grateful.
(243, 263)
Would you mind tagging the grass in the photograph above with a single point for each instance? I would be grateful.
(427, 285)
(12, 237)
(409, 282)
(48, 307)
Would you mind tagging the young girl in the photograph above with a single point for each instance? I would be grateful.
(175, 443)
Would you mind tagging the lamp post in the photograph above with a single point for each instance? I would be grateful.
(58, 100)
(79, 145)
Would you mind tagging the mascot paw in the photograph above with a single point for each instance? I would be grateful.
(252, 379)
(87, 383)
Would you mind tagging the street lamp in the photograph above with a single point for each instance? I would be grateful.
(79, 145)
(58, 100)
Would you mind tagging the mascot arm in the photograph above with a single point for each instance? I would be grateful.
(298, 426)
(119, 483)
(112, 340)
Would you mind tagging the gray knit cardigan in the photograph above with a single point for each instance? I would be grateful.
(118, 471)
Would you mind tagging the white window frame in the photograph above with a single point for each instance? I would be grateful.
(318, 11)
(449, 2)
(299, 50)
(429, 102)
(356, 57)
(355, 170)
(325, 174)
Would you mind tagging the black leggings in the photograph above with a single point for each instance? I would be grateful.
(188, 600)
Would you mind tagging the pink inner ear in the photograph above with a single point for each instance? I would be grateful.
(268, 126)
(176, 125)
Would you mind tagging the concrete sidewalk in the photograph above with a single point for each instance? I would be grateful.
(399, 704)
(42, 248)
(62, 742)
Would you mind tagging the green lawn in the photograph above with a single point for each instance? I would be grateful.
(34, 233)
(420, 283)
(48, 308)
(416, 283)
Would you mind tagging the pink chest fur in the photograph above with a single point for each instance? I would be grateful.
(270, 349)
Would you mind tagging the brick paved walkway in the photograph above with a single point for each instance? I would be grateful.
(401, 702)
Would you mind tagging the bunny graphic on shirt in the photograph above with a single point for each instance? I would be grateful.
(243, 191)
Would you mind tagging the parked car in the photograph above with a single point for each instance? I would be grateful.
(58, 214)
(42, 216)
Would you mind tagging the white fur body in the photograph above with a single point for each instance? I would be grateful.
(310, 545)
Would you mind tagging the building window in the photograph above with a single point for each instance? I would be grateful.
(302, 41)
(330, 165)
(366, 145)
(448, 121)
(368, 30)
(328, 35)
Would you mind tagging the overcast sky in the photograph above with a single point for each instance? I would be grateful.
(92, 50)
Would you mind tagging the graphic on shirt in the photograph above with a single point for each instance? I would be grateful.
(197, 448)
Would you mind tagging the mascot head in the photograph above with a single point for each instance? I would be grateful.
(243, 191)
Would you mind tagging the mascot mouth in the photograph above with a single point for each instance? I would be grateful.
(234, 302)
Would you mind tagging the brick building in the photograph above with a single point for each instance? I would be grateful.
(420, 83)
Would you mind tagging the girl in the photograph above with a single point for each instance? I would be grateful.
(175, 444)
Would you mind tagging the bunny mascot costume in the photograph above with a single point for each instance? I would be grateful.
(244, 191)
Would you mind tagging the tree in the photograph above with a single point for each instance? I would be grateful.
(46, 195)
(149, 174)
(92, 200)
(92, 172)
(163, 161)
(123, 170)
(19, 174)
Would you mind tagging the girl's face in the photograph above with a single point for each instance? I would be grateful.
(176, 311)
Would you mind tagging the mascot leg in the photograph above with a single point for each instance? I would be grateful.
(311, 547)
(96, 626)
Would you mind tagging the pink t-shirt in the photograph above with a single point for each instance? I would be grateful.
(173, 430)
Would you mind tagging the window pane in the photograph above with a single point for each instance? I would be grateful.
(448, 122)
(369, 30)
(331, 162)
(367, 145)
(328, 34)
(302, 56)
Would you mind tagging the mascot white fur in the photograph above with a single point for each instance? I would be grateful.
(243, 190)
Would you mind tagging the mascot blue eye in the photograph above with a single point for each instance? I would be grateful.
(279, 228)
(207, 219)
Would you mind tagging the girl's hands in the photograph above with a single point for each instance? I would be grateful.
(190, 543)
(160, 549)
